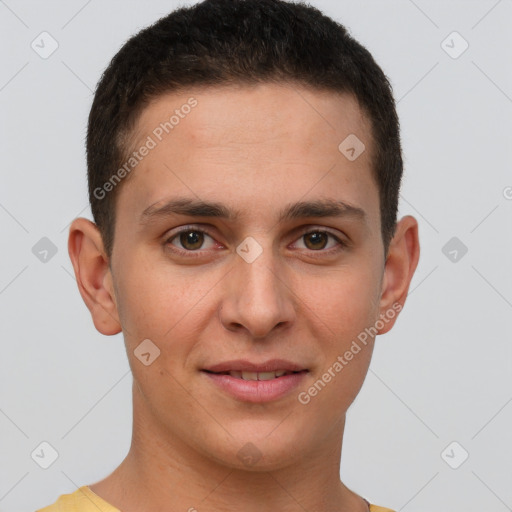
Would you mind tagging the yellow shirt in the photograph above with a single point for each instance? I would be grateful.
(84, 500)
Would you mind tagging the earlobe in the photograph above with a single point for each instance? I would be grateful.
(401, 263)
(93, 275)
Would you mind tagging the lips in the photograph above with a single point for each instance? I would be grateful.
(249, 381)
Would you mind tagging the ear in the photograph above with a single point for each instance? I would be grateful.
(401, 262)
(93, 275)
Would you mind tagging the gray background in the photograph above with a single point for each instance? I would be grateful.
(443, 374)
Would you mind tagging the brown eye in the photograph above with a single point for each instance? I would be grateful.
(316, 240)
(192, 239)
(191, 242)
(319, 241)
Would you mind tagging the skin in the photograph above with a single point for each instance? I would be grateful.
(256, 150)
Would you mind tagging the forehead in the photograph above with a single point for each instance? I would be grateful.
(254, 113)
(273, 141)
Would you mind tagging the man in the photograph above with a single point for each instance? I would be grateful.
(244, 167)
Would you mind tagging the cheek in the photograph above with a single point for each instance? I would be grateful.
(166, 306)
(342, 306)
(346, 300)
(151, 297)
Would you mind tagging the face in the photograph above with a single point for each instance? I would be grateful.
(245, 233)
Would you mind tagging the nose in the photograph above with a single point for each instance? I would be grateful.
(257, 299)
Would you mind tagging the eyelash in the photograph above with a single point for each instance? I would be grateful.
(198, 252)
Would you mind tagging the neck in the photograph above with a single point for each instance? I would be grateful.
(164, 474)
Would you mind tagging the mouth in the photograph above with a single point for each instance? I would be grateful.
(246, 375)
(251, 381)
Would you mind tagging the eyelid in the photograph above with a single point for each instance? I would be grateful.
(185, 228)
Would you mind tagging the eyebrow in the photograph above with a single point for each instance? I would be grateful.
(301, 209)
